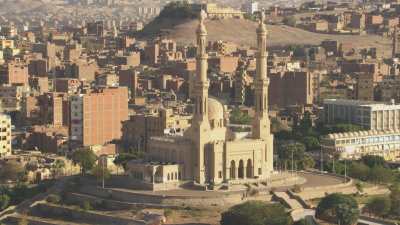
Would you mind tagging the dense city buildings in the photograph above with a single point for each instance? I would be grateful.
(186, 108)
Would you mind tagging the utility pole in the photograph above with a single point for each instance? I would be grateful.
(292, 161)
(322, 161)
(345, 170)
(102, 167)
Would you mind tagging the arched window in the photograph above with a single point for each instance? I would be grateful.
(233, 170)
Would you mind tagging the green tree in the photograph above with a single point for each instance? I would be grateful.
(311, 143)
(395, 199)
(289, 150)
(11, 170)
(307, 162)
(373, 160)
(4, 201)
(379, 206)
(123, 158)
(256, 213)
(359, 171)
(85, 159)
(58, 167)
(239, 117)
(379, 174)
(98, 171)
(338, 208)
(277, 126)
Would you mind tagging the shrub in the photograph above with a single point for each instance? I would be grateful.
(296, 188)
(379, 206)
(86, 206)
(53, 199)
(168, 212)
(338, 208)
(256, 213)
(4, 201)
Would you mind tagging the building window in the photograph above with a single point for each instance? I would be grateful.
(259, 171)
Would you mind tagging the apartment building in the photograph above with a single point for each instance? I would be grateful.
(96, 118)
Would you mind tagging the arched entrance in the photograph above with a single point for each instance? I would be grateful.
(241, 170)
(249, 169)
(233, 170)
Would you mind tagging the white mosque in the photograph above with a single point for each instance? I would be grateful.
(209, 153)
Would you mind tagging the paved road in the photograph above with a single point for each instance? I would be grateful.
(315, 180)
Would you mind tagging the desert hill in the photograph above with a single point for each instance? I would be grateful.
(243, 31)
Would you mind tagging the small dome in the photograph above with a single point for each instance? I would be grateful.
(215, 110)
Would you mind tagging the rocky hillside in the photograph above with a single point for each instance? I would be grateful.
(179, 23)
(243, 32)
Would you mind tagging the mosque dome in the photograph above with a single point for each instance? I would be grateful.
(215, 112)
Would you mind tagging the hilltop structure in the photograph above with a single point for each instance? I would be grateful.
(209, 154)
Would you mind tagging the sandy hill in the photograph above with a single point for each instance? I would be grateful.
(243, 32)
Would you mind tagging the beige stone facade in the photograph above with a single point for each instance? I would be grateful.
(209, 153)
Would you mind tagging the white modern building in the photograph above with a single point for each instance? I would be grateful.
(250, 7)
(379, 116)
(354, 145)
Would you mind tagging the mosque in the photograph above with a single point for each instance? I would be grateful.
(209, 154)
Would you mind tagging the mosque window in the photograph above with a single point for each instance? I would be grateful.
(219, 174)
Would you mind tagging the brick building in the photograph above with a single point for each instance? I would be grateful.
(291, 88)
(15, 72)
(96, 118)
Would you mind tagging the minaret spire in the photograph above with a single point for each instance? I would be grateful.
(199, 130)
(394, 42)
(261, 125)
(201, 86)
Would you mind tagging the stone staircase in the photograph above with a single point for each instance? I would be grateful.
(285, 199)
(297, 210)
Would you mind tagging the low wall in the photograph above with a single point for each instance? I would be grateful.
(299, 199)
(109, 204)
(226, 199)
(74, 215)
(377, 220)
(319, 192)
(124, 181)
(17, 220)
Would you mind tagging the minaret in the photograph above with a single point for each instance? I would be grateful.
(394, 42)
(201, 82)
(199, 130)
(261, 124)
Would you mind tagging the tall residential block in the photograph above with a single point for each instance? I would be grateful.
(96, 118)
